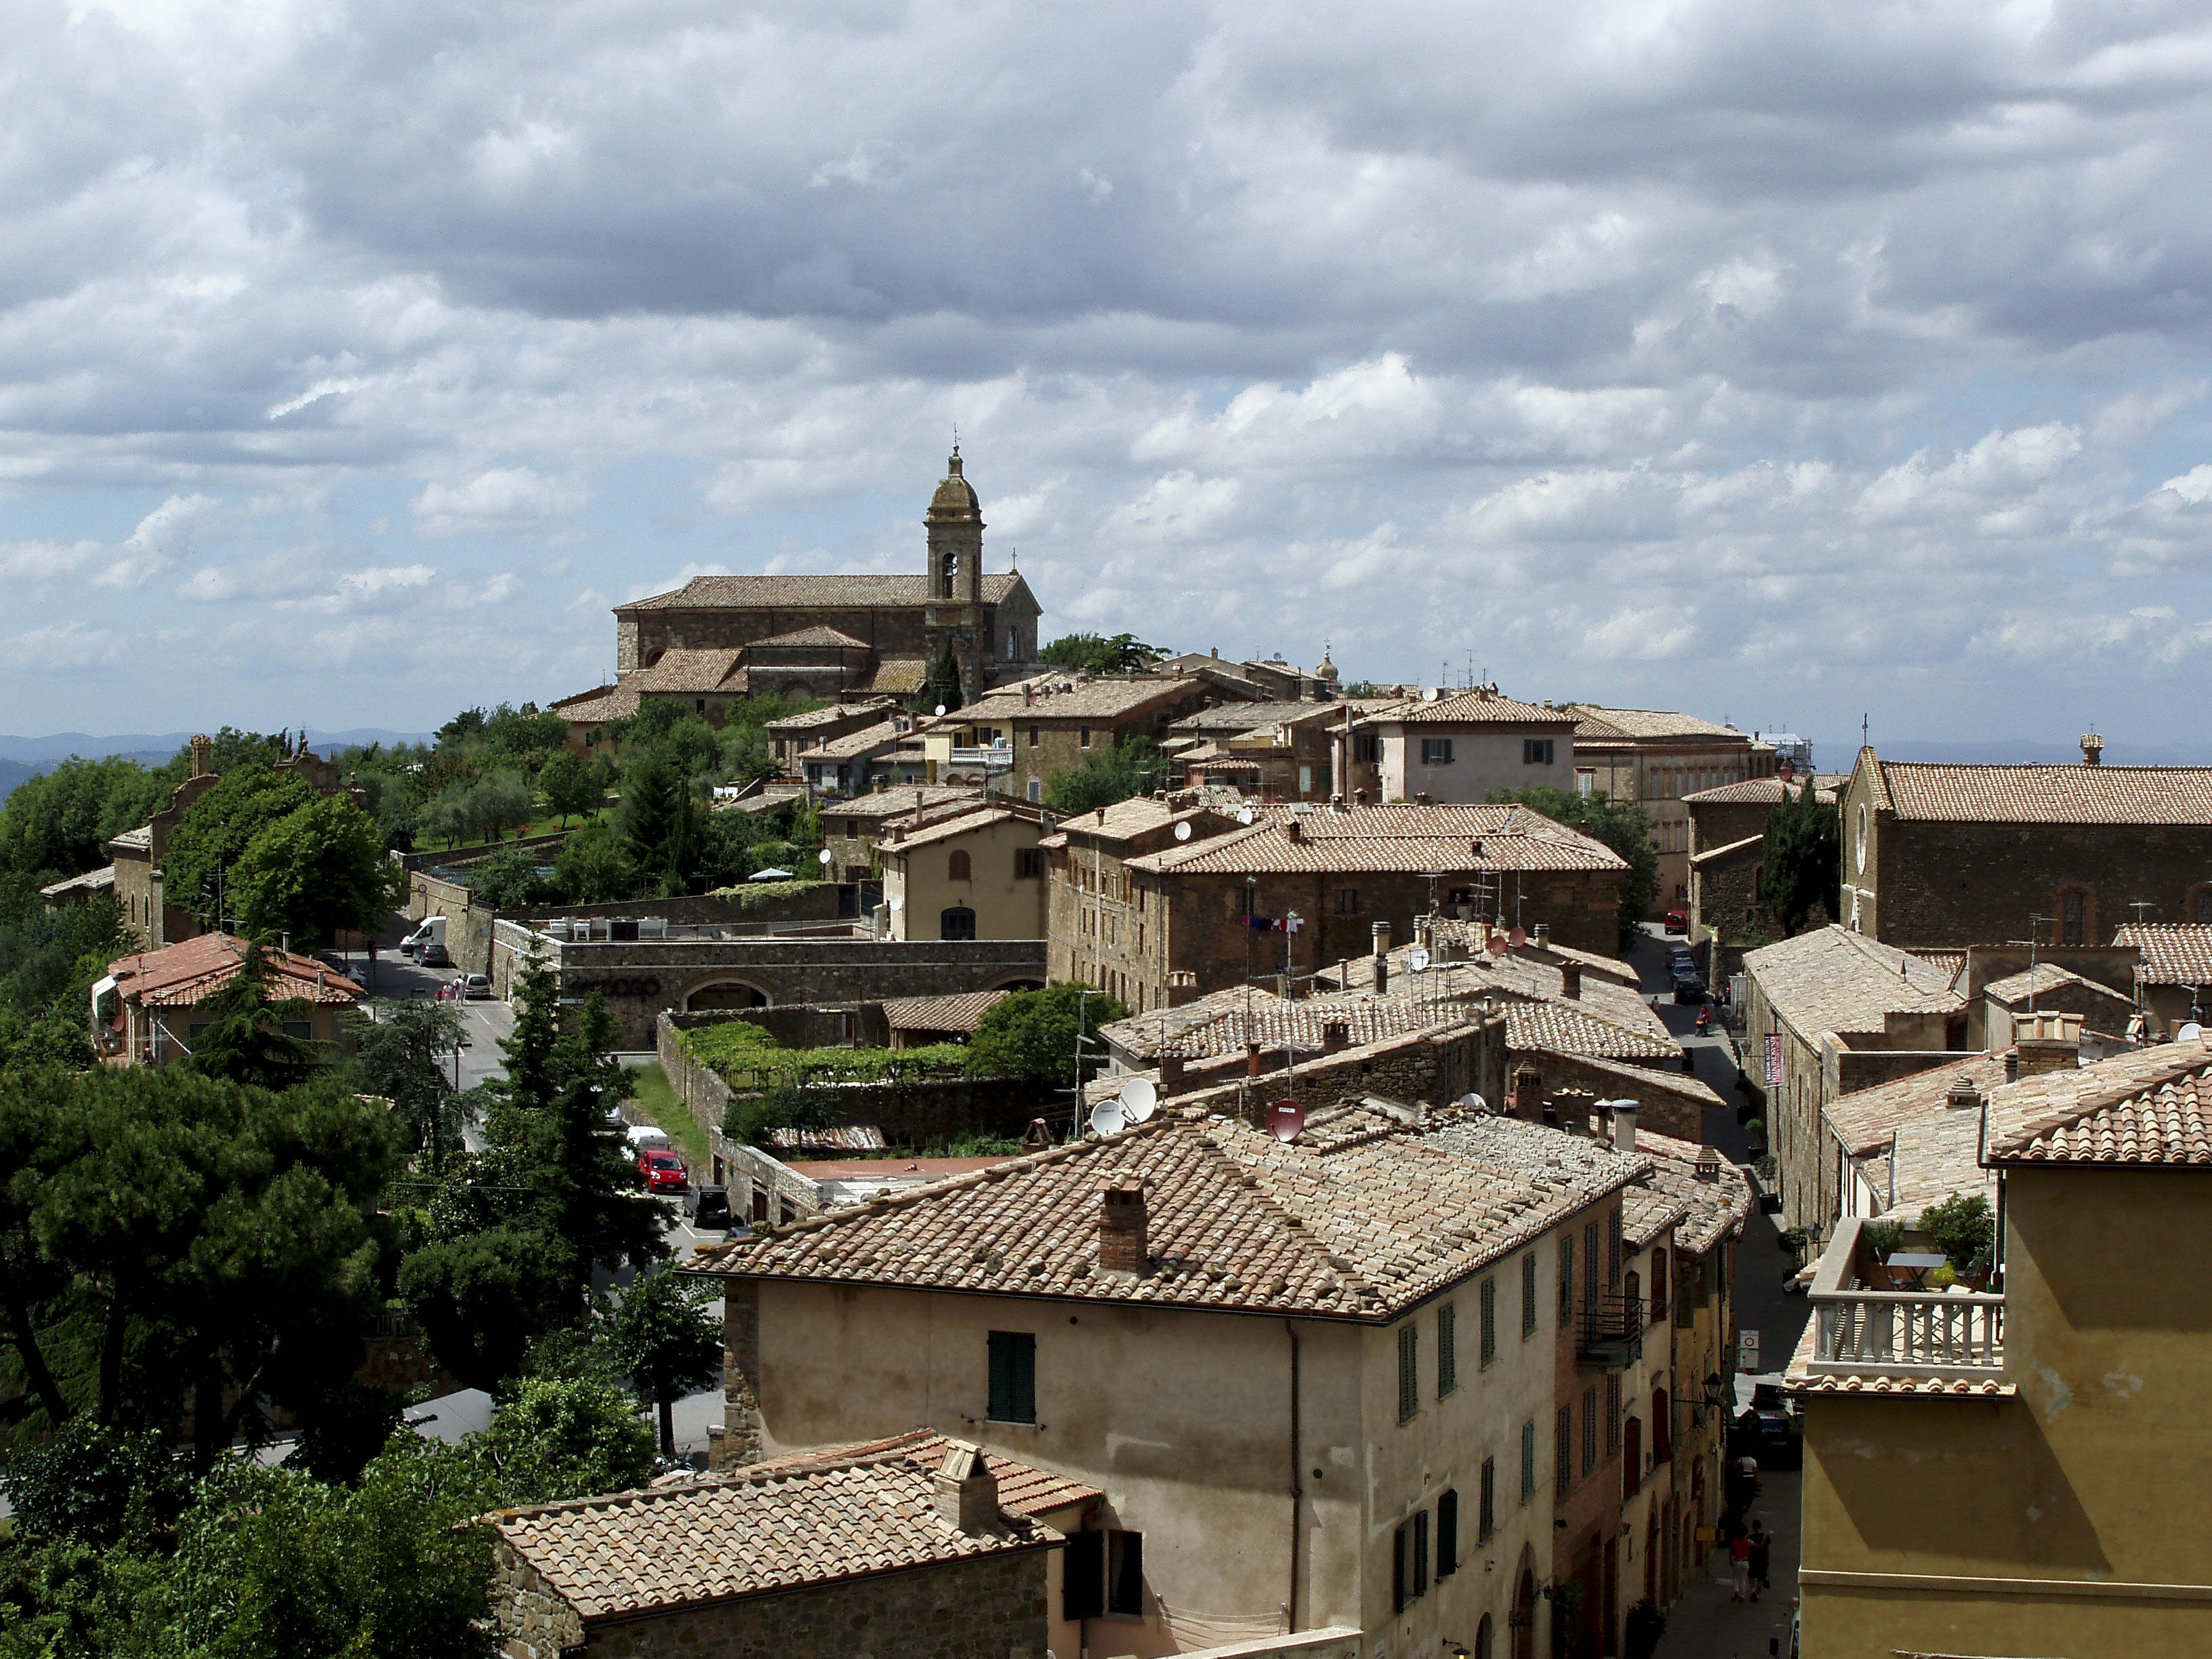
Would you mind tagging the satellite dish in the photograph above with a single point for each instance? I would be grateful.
(1519, 936)
(1417, 959)
(1139, 1100)
(896, 901)
(823, 856)
(1498, 945)
(940, 708)
(1243, 815)
(1182, 832)
(1285, 1120)
(1474, 1102)
(2192, 1032)
(1106, 1118)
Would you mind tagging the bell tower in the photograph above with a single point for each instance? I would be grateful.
(954, 616)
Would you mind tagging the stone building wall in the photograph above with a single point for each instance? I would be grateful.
(1430, 1067)
(1727, 891)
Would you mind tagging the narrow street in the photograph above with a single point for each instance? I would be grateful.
(1705, 1623)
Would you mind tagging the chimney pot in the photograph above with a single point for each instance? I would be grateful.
(1335, 1038)
(1121, 1226)
(1571, 980)
(1624, 1126)
(967, 1491)
(1251, 1059)
(2093, 750)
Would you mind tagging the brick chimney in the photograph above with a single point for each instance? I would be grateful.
(1170, 1075)
(2093, 750)
(1962, 1096)
(203, 756)
(1294, 829)
(1527, 1093)
(1251, 1059)
(2047, 1043)
(1335, 1038)
(1571, 980)
(1121, 1226)
(967, 1491)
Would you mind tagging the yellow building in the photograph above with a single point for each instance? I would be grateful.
(980, 875)
(148, 1007)
(2018, 1469)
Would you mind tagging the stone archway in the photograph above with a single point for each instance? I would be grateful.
(1522, 1621)
(724, 994)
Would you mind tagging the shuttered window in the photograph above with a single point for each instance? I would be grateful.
(1447, 1349)
(1420, 1553)
(1409, 1373)
(1527, 1295)
(1489, 1320)
(1563, 1452)
(1566, 1277)
(1488, 1522)
(1014, 1376)
(1529, 1460)
(1589, 1429)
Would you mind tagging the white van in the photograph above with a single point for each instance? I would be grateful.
(432, 932)
(644, 1137)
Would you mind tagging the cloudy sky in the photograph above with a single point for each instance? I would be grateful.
(1783, 362)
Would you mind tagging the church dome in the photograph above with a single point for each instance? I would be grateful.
(955, 497)
(1328, 671)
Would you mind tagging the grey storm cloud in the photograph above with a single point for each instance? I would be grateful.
(1826, 356)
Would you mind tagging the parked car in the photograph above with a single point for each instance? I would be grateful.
(433, 955)
(707, 1207)
(1678, 921)
(477, 988)
(1689, 988)
(663, 1171)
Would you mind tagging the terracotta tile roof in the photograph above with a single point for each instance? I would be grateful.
(1952, 964)
(1715, 855)
(790, 725)
(956, 1013)
(180, 975)
(601, 703)
(1754, 792)
(92, 881)
(896, 676)
(1062, 696)
(1130, 820)
(1390, 839)
(2049, 794)
(2045, 977)
(1798, 1378)
(1226, 1025)
(683, 668)
(1865, 1120)
(141, 836)
(2173, 953)
(1360, 1219)
(1717, 1209)
(903, 800)
(1648, 1212)
(1602, 723)
(1834, 980)
(1563, 1028)
(868, 740)
(1474, 708)
(1643, 1083)
(2152, 1106)
(804, 636)
(1250, 716)
(804, 593)
(951, 829)
(839, 1513)
(1517, 975)
(1156, 1032)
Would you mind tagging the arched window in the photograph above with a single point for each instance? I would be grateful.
(1658, 1286)
(1631, 1302)
(1014, 645)
(957, 868)
(1482, 1638)
(958, 922)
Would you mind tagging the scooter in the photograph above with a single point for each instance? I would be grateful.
(1704, 1021)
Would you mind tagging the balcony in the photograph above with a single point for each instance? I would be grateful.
(1862, 1328)
(1610, 1336)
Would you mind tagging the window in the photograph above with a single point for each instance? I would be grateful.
(1447, 1349)
(1014, 1376)
(1034, 730)
(1613, 1248)
(1487, 1517)
(1536, 751)
(1036, 789)
(1566, 1277)
(1658, 1287)
(1086, 737)
(2203, 908)
(2071, 910)
(1366, 750)
(957, 923)
(1489, 1321)
(1663, 1428)
(1631, 1300)
(1589, 1429)
(958, 867)
(1632, 1458)
(1014, 645)
(1347, 901)
(1409, 1372)
(1612, 1413)
(1103, 1573)
(1435, 752)
(1028, 863)
(1483, 1646)
(1447, 1535)
(1420, 1552)
(699, 704)
(1589, 1271)
(1529, 1460)
(299, 1030)
(1409, 1561)
(1562, 1451)
(1527, 1295)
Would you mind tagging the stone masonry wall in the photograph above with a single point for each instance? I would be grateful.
(992, 1607)
(1950, 885)
(1429, 1068)
(535, 1622)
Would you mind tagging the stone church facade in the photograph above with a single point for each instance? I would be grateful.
(823, 636)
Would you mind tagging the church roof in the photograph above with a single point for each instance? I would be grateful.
(816, 635)
(955, 496)
(804, 593)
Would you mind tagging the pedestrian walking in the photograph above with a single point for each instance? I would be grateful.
(1739, 1560)
(1760, 1558)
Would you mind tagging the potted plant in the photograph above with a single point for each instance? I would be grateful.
(1964, 1230)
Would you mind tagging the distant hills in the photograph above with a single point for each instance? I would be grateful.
(22, 758)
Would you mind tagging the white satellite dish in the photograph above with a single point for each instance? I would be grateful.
(1182, 832)
(1139, 1100)
(823, 857)
(895, 902)
(2192, 1032)
(1417, 959)
(940, 709)
(1243, 815)
(1106, 1118)
(1474, 1102)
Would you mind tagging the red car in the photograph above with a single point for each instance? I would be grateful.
(663, 1171)
(1678, 921)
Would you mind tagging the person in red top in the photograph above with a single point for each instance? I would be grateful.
(1740, 1559)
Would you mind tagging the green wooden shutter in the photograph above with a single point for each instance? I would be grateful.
(1014, 1376)
(1409, 1373)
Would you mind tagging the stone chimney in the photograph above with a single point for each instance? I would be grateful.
(967, 1491)
(1709, 1164)
(2093, 750)
(1121, 1226)
(1359, 797)
(1527, 1092)
(1571, 980)
(1294, 830)
(1335, 1038)
(1382, 934)
(2047, 1043)
(203, 756)
(1962, 1096)
(1170, 1075)
(1624, 1126)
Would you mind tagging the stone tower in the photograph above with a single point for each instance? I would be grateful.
(954, 618)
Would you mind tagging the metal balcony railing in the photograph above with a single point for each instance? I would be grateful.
(1611, 1333)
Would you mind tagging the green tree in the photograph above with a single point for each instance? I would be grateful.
(658, 824)
(1962, 1227)
(316, 871)
(507, 879)
(245, 1040)
(496, 803)
(1137, 766)
(401, 1052)
(216, 831)
(567, 785)
(592, 866)
(559, 1438)
(59, 823)
(272, 1564)
(667, 1341)
(1801, 859)
(1621, 825)
(96, 1482)
(1120, 654)
(1031, 1035)
(942, 690)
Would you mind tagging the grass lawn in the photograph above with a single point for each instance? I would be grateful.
(545, 825)
(657, 1100)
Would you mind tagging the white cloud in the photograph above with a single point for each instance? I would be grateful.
(388, 588)
(505, 498)
(64, 647)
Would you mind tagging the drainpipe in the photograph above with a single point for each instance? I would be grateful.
(1298, 1492)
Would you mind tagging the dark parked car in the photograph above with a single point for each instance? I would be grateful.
(1688, 987)
(707, 1207)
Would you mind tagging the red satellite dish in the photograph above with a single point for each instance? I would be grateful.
(1285, 1119)
(1519, 936)
(1498, 945)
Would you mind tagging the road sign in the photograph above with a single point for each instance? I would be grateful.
(1746, 1350)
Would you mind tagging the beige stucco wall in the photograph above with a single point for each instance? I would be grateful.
(1484, 758)
(1005, 906)
(2072, 1519)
